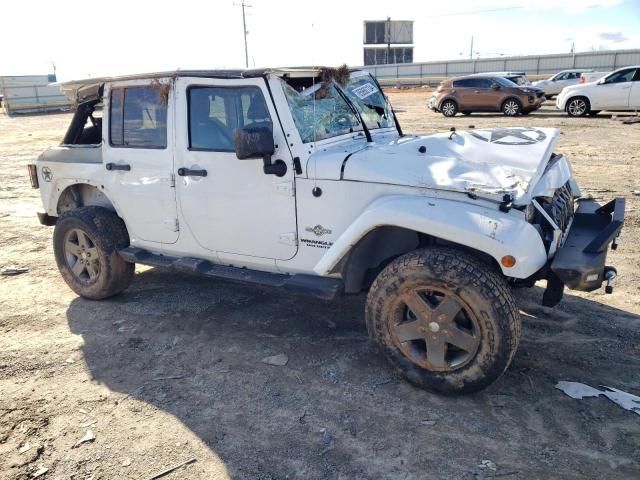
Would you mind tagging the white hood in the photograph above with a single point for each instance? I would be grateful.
(489, 162)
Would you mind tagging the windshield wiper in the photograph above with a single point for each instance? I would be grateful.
(393, 112)
(367, 133)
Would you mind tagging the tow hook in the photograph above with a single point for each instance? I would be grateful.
(614, 244)
(610, 275)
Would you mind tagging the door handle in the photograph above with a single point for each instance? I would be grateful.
(185, 172)
(116, 166)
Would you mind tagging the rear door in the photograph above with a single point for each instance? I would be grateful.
(138, 157)
(463, 93)
(614, 92)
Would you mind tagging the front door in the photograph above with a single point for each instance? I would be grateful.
(235, 208)
(484, 97)
(138, 158)
(634, 96)
(614, 92)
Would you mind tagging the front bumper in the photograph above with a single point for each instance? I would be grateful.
(46, 219)
(580, 263)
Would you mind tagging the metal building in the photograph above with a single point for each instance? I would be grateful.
(32, 94)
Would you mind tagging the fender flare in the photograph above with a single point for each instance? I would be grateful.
(478, 227)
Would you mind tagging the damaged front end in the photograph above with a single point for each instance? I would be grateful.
(577, 234)
(580, 263)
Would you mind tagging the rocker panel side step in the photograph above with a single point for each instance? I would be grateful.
(312, 285)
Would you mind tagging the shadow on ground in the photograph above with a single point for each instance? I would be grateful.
(193, 348)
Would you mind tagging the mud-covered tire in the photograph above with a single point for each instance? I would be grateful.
(92, 236)
(477, 285)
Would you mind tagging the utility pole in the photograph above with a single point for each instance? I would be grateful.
(471, 49)
(388, 32)
(244, 30)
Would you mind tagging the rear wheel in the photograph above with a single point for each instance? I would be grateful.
(578, 107)
(449, 108)
(444, 319)
(86, 243)
(511, 107)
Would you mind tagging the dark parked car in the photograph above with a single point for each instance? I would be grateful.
(477, 93)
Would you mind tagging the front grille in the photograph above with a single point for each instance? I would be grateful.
(560, 209)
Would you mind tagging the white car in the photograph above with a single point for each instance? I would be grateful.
(618, 91)
(303, 179)
(554, 85)
(588, 77)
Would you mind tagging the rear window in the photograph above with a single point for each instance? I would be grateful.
(138, 118)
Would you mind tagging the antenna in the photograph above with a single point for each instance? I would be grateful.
(244, 31)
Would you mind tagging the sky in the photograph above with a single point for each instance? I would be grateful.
(90, 39)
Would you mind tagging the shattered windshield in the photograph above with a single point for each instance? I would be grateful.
(319, 110)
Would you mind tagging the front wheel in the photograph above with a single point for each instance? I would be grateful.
(86, 243)
(444, 319)
(578, 107)
(511, 107)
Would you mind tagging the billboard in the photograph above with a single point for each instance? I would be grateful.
(388, 31)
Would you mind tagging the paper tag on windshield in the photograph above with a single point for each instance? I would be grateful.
(364, 90)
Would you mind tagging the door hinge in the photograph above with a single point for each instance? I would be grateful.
(286, 188)
(172, 224)
(172, 180)
(289, 238)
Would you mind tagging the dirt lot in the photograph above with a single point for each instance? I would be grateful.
(171, 370)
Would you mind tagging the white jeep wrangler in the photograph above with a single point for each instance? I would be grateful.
(303, 179)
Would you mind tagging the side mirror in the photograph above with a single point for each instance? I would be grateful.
(257, 142)
(253, 142)
(495, 86)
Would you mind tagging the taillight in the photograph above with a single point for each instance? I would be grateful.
(33, 175)
(582, 79)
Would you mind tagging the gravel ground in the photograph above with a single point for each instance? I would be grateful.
(171, 370)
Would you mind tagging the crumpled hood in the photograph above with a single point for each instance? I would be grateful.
(483, 161)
